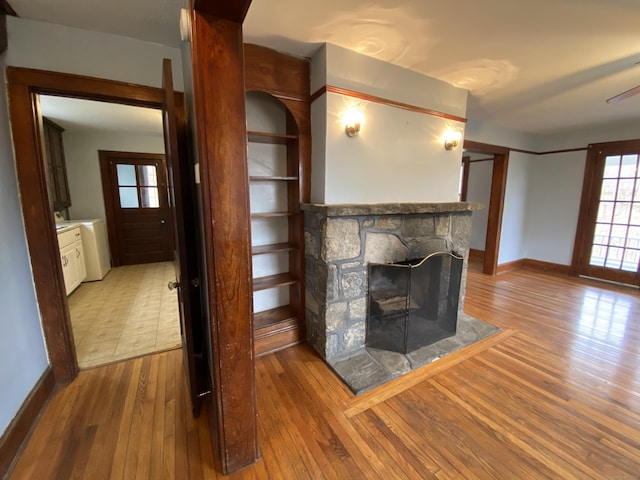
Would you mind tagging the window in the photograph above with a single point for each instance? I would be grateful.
(138, 186)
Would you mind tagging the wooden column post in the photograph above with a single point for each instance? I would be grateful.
(219, 98)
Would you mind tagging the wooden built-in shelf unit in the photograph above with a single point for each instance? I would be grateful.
(281, 84)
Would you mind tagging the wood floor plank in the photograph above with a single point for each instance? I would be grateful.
(555, 394)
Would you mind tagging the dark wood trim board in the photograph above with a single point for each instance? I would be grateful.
(19, 430)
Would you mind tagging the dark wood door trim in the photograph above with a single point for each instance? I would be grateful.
(23, 85)
(496, 209)
(589, 202)
(465, 178)
(496, 201)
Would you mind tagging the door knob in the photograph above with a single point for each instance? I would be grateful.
(173, 285)
(162, 222)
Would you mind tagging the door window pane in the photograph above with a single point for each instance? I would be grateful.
(605, 212)
(625, 190)
(149, 196)
(126, 175)
(598, 255)
(612, 167)
(148, 175)
(622, 212)
(128, 197)
(602, 233)
(618, 235)
(630, 261)
(608, 190)
(614, 257)
(629, 166)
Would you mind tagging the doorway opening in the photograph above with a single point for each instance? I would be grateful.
(24, 86)
(491, 191)
(121, 312)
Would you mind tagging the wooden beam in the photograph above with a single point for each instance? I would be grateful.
(232, 10)
(221, 137)
(6, 8)
(4, 41)
(496, 208)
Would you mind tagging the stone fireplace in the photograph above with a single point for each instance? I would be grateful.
(340, 242)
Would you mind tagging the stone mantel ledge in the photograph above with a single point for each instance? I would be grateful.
(356, 210)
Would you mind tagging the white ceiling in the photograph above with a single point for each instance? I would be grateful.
(540, 66)
(75, 114)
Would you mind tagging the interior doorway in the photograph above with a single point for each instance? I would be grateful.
(116, 312)
(500, 161)
(23, 87)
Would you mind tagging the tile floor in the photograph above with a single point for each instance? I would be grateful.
(131, 312)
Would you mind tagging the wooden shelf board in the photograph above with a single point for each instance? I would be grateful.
(265, 178)
(275, 316)
(278, 340)
(273, 138)
(273, 281)
(272, 214)
(273, 248)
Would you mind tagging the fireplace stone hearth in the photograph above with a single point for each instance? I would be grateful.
(341, 241)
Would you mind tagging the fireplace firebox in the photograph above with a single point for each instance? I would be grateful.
(414, 303)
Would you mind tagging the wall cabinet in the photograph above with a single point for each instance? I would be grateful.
(72, 258)
(57, 182)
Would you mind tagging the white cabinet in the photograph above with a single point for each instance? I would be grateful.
(71, 258)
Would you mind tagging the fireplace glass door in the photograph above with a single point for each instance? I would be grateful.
(414, 303)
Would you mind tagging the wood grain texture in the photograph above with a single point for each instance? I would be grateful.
(233, 10)
(555, 394)
(40, 231)
(496, 209)
(281, 75)
(219, 97)
(384, 101)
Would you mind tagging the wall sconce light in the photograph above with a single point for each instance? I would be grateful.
(353, 120)
(452, 139)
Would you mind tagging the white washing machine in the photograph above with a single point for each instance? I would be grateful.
(95, 245)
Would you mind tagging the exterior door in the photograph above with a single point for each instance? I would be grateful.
(135, 192)
(185, 254)
(608, 237)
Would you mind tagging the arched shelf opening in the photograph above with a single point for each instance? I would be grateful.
(276, 222)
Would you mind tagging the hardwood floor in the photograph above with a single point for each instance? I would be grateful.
(555, 394)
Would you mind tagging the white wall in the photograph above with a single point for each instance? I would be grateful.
(494, 135)
(83, 166)
(613, 132)
(553, 204)
(399, 154)
(46, 46)
(23, 358)
(479, 190)
(513, 240)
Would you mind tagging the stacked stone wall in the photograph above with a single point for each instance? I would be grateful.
(340, 242)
